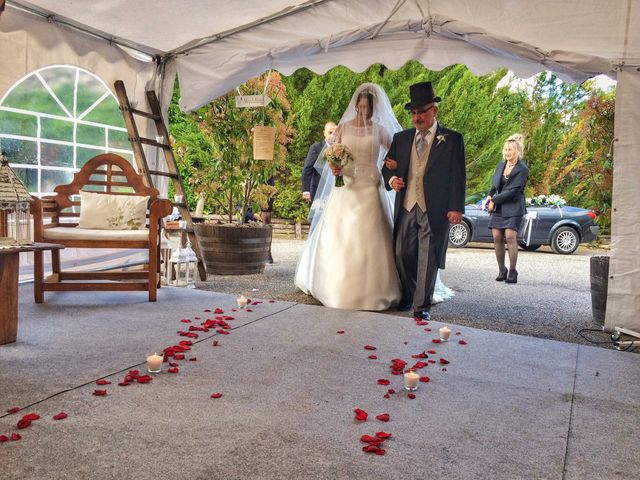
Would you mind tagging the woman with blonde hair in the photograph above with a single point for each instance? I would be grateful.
(506, 203)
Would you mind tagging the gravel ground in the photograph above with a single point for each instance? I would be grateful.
(552, 298)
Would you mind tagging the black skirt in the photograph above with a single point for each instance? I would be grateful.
(512, 223)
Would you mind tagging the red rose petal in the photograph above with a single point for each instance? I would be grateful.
(124, 384)
(13, 410)
(173, 370)
(458, 333)
(383, 381)
(144, 379)
(373, 357)
(15, 436)
(222, 332)
(386, 395)
(361, 415)
(174, 364)
(193, 359)
(369, 439)
(431, 360)
(133, 373)
(3, 438)
(425, 379)
(23, 423)
(380, 451)
(208, 310)
(444, 362)
(383, 435)
(179, 356)
(216, 395)
(31, 416)
(272, 301)
(435, 340)
(427, 329)
(444, 369)
(383, 417)
(391, 390)
(215, 343)
(462, 342)
(99, 393)
(411, 395)
(185, 320)
(340, 332)
(431, 352)
(369, 347)
(103, 382)
(370, 448)
(60, 416)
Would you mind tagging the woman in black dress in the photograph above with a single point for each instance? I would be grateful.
(506, 203)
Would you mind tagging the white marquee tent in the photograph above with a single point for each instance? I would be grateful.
(214, 45)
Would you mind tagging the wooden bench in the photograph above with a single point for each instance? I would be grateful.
(57, 220)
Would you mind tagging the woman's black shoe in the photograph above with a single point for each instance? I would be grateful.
(502, 275)
(512, 277)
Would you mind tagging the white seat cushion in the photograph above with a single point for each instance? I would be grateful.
(112, 212)
(77, 233)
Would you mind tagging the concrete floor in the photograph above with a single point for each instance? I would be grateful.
(504, 407)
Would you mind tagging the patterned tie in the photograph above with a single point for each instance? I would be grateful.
(421, 142)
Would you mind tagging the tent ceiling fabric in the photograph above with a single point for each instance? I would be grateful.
(576, 39)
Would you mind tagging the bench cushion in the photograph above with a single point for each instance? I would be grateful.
(77, 233)
(112, 212)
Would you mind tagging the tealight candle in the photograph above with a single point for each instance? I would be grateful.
(411, 379)
(444, 333)
(242, 301)
(154, 363)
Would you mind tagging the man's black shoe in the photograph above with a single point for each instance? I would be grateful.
(404, 307)
(422, 314)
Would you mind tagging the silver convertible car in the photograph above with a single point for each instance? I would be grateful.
(563, 228)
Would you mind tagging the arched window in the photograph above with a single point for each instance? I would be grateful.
(54, 120)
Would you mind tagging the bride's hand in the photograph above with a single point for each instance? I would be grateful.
(390, 164)
(335, 169)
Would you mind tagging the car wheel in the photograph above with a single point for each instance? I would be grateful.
(565, 240)
(459, 235)
(529, 248)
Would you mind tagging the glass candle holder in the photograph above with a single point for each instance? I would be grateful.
(444, 333)
(242, 301)
(411, 380)
(154, 363)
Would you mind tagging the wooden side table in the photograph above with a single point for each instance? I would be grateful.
(9, 269)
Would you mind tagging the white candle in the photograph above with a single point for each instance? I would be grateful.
(242, 301)
(444, 333)
(154, 363)
(411, 379)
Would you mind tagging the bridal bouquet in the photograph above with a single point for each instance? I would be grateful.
(338, 155)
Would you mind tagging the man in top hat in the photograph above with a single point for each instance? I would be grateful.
(425, 166)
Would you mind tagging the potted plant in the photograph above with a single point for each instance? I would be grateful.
(231, 179)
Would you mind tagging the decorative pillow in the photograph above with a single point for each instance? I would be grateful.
(102, 211)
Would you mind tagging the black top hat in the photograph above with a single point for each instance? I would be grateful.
(421, 94)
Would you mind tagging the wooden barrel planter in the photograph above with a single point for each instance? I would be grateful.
(233, 249)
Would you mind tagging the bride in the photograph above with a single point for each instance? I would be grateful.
(347, 261)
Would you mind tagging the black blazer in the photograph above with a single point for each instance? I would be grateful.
(510, 201)
(444, 180)
(310, 176)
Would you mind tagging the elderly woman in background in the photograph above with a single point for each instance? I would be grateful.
(506, 203)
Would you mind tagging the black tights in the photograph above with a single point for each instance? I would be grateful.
(499, 235)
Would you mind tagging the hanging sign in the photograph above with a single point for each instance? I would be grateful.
(243, 101)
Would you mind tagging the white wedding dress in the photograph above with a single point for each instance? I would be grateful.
(347, 261)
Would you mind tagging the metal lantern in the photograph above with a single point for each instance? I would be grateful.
(15, 201)
(183, 263)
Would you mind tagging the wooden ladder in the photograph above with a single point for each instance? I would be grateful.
(172, 172)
